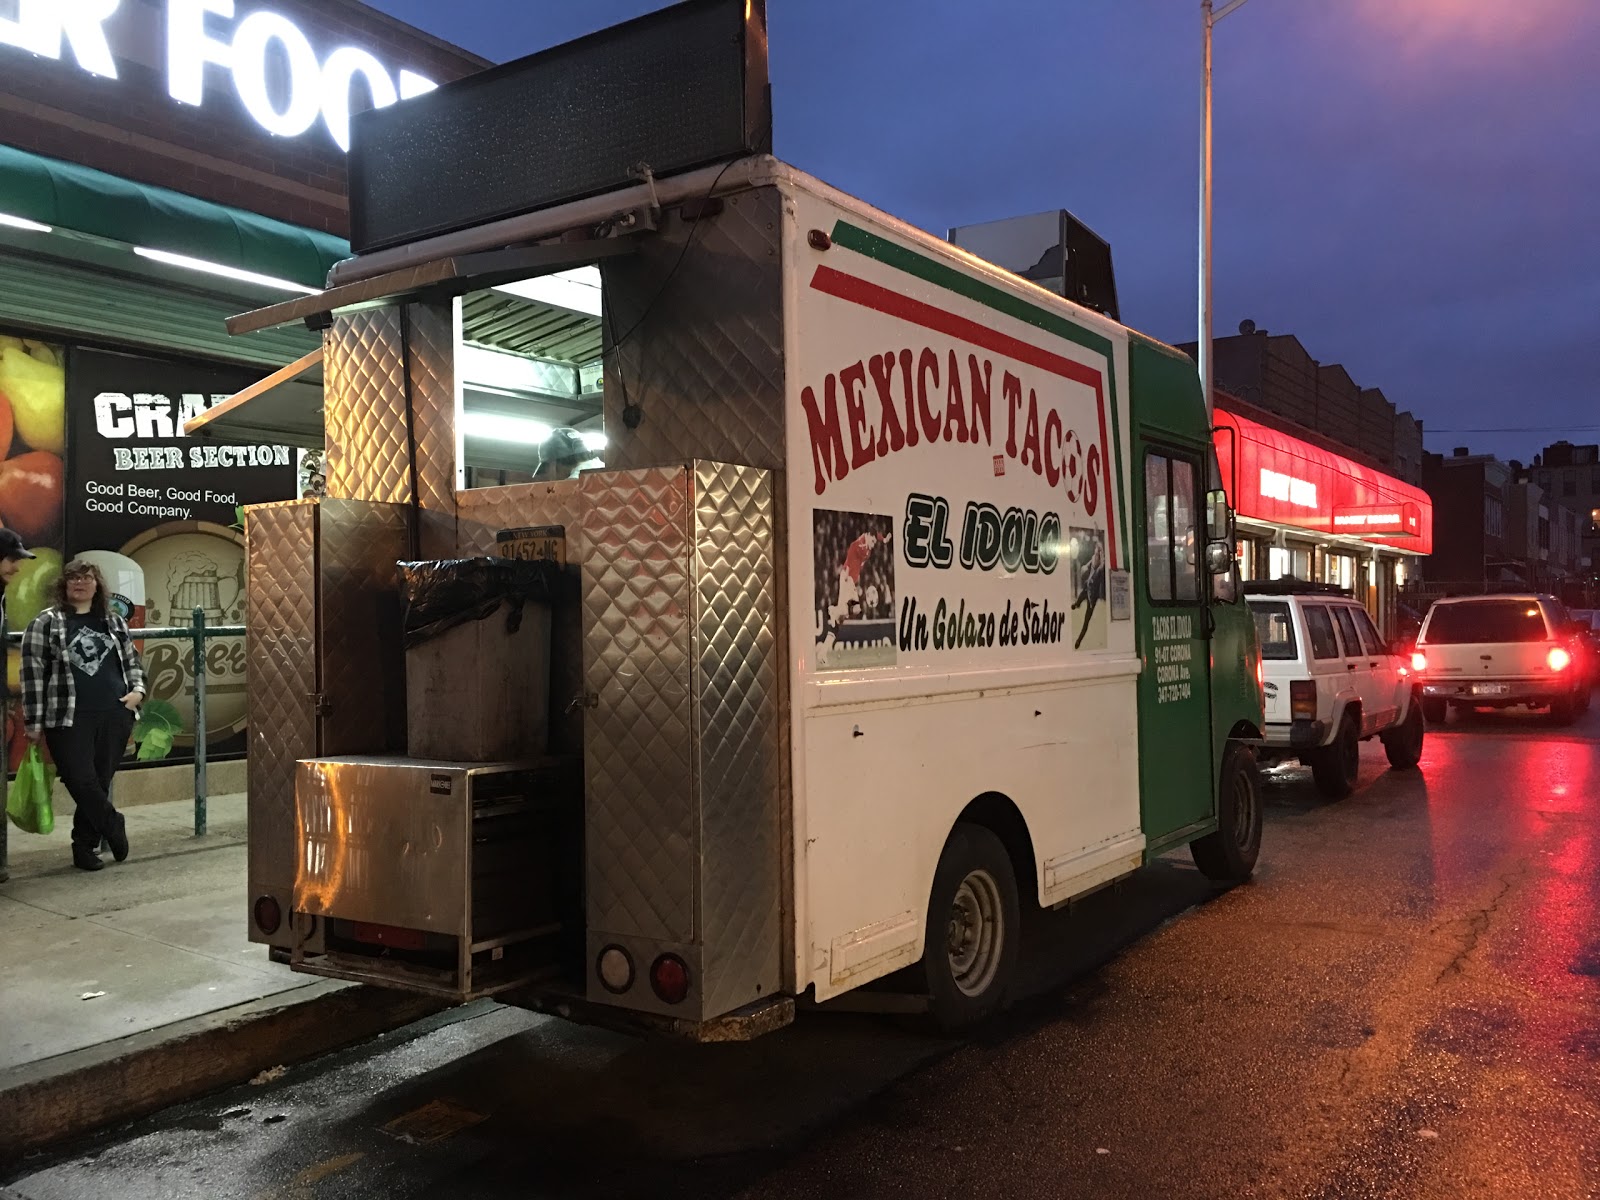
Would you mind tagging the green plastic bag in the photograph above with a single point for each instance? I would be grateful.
(28, 802)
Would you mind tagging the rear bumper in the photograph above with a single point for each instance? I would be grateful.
(1517, 691)
(1297, 735)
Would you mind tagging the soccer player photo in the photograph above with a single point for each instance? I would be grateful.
(1087, 557)
(854, 575)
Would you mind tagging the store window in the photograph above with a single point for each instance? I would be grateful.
(1171, 540)
(1278, 563)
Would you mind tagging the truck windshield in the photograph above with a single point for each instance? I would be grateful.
(1275, 632)
(1481, 621)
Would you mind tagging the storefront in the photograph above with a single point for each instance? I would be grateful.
(165, 165)
(1307, 512)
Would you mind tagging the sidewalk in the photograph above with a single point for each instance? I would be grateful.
(135, 986)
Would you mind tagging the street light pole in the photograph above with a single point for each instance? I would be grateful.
(1208, 20)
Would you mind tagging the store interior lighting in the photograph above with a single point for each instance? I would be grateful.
(23, 223)
(211, 268)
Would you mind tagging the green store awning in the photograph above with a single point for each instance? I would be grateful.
(71, 197)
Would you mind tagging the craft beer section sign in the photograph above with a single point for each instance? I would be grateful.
(959, 477)
(131, 467)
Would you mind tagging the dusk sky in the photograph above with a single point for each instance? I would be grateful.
(1409, 186)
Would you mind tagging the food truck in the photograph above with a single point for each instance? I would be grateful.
(904, 599)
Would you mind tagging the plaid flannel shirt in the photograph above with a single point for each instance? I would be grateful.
(49, 692)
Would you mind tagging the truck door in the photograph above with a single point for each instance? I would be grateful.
(1175, 752)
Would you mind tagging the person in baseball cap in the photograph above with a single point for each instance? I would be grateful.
(12, 554)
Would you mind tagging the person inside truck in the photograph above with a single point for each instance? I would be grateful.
(561, 455)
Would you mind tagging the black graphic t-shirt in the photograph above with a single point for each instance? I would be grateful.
(96, 663)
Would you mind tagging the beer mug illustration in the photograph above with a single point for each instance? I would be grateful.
(196, 580)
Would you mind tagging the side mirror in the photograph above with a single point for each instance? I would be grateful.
(1219, 558)
(1217, 516)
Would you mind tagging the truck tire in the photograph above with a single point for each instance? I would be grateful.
(1435, 711)
(1229, 855)
(1403, 743)
(1338, 764)
(973, 942)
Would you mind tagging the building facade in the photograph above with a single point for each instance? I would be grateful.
(165, 164)
(1308, 511)
(1571, 475)
(1275, 373)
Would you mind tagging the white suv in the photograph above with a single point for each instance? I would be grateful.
(1499, 651)
(1331, 682)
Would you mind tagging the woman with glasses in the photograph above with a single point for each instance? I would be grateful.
(82, 684)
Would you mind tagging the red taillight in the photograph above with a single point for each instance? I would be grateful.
(669, 976)
(1419, 662)
(1303, 699)
(268, 915)
(1559, 659)
(1261, 679)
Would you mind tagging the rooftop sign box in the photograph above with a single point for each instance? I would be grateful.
(684, 87)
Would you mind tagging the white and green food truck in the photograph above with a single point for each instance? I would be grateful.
(904, 598)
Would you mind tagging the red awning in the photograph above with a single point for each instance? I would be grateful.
(1282, 480)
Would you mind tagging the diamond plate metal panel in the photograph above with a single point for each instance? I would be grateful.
(432, 341)
(705, 364)
(738, 723)
(361, 663)
(483, 512)
(368, 454)
(640, 830)
(280, 656)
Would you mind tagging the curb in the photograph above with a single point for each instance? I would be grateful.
(74, 1094)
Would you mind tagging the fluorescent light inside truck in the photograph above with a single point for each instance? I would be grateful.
(11, 222)
(211, 268)
(576, 291)
(495, 427)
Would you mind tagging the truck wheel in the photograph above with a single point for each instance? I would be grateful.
(1435, 711)
(974, 921)
(1229, 855)
(1337, 765)
(1403, 743)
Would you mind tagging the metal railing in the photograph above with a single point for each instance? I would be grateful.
(198, 632)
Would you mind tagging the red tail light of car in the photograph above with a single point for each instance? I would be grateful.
(1419, 662)
(1559, 659)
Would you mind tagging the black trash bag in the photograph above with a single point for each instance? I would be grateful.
(443, 594)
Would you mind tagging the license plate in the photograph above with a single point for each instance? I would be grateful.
(547, 542)
(1490, 689)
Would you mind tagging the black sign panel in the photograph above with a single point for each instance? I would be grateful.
(676, 89)
(131, 469)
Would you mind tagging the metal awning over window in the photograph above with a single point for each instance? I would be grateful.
(284, 409)
(442, 278)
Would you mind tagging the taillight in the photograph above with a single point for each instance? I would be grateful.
(1303, 699)
(1419, 662)
(615, 969)
(1559, 659)
(669, 976)
(1261, 679)
(268, 915)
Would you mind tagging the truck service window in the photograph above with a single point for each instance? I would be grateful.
(1172, 544)
(1320, 626)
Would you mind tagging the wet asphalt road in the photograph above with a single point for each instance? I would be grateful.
(1404, 1003)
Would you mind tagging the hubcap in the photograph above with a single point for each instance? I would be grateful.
(976, 934)
(1244, 810)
